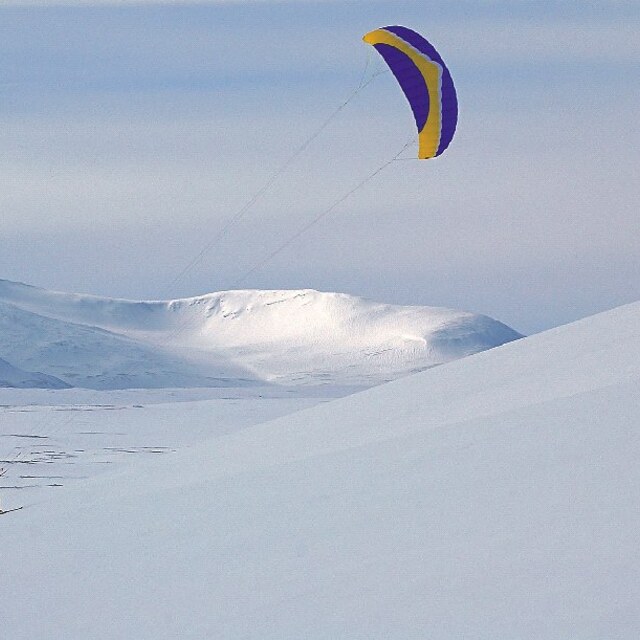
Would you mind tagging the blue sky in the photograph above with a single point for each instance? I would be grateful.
(130, 135)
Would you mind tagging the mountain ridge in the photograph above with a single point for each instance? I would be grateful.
(271, 336)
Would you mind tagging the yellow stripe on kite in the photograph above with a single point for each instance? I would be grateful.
(429, 136)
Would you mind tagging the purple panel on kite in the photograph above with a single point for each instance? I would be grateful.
(449, 107)
(410, 80)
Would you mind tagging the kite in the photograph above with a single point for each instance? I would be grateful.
(426, 83)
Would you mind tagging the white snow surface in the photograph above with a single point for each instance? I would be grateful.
(492, 497)
(232, 337)
(11, 376)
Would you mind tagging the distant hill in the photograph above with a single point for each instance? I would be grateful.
(232, 337)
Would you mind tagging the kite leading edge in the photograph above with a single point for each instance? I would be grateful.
(425, 81)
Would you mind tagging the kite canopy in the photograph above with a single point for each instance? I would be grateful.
(426, 82)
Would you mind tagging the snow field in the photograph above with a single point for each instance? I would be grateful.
(492, 497)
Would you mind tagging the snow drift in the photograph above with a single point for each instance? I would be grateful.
(493, 497)
(11, 376)
(282, 337)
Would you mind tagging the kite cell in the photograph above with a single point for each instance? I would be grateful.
(426, 83)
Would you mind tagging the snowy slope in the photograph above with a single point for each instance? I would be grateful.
(11, 376)
(493, 497)
(88, 356)
(283, 337)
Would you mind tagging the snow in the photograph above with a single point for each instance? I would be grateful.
(11, 376)
(53, 439)
(492, 497)
(232, 338)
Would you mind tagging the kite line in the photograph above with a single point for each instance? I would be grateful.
(323, 214)
(271, 180)
(18, 452)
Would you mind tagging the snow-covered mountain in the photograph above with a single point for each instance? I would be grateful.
(282, 337)
(493, 497)
(11, 376)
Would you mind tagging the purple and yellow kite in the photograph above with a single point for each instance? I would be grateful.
(426, 82)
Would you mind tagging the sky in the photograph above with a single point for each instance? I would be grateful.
(132, 133)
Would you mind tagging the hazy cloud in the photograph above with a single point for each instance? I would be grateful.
(130, 136)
